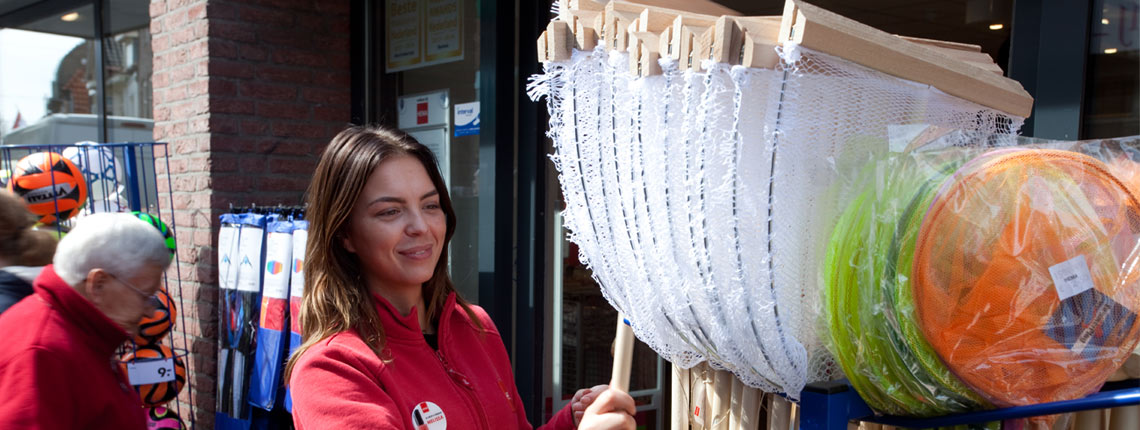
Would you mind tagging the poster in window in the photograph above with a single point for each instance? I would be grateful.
(422, 33)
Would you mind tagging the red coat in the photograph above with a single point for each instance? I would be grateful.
(340, 383)
(58, 367)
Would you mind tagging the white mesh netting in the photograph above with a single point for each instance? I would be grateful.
(701, 201)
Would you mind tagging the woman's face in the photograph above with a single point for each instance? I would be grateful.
(397, 226)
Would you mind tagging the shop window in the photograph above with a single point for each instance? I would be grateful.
(49, 82)
(1112, 84)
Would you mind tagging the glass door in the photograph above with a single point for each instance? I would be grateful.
(581, 336)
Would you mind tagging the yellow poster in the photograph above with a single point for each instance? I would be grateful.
(421, 33)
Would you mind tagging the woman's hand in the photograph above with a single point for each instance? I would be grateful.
(583, 399)
(610, 409)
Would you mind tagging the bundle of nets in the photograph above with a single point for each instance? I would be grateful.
(973, 277)
(701, 198)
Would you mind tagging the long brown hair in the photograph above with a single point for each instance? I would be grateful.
(335, 298)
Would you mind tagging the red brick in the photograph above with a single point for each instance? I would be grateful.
(201, 29)
(298, 129)
(160, 43)
(287, 37)
(264, 91)
(231, 105)
(332, 79)
(252, 52)
(232, 30)
(229, 68)
(304, 166)
(254, 127)
(182, 36)
(335, 113)
(223, 164)
(219, 10)
(157, 8)
(220, 48)
(185, 109)
(160, 79)
(284, 74)
(180, 73)
(332, 7)
(285, 110)
(326, 96)
(266, 16)
(224, 124)
(196, 11)
(174, 94)
(284, 183)
(297, 57)
(221, 87)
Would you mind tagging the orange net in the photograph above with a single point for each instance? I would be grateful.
(1024, 275)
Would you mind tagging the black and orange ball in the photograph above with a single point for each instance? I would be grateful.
(50, 184)
(160, 393)
(155, 326)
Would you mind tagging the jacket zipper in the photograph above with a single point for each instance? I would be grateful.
(462, 380)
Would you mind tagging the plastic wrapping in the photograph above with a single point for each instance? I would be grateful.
(962, 276)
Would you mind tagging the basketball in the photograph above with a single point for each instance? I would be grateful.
(153, 327)
(167, 235)
(50, 185)
(159, 393)
(162, 418)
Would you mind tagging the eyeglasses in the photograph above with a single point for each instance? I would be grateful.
(152, 300)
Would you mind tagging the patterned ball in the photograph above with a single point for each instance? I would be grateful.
(51, 185)
(159, 393)
(103, 173)
(161, 418)
(155, 326)
(167, 234)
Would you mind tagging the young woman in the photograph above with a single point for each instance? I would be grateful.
(387, 342)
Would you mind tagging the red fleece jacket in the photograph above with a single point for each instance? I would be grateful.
(339, 383)
(57, 366)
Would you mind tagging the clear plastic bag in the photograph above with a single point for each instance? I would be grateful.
(961, 275)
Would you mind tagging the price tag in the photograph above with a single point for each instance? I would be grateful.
(142, 372)
(1071, 277)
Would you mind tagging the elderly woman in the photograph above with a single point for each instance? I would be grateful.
(57, 368)
(23, 250)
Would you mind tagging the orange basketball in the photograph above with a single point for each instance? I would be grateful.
(51, 185)
(157, 394)
(156, 325)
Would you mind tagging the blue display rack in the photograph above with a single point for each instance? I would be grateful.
(126, 175)
(831, 405)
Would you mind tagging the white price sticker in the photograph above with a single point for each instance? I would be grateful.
(1071, 277)
(142, 372)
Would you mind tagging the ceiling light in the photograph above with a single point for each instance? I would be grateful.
(1110, 51)
(1104, 21)
(996, 26)
(70, 17)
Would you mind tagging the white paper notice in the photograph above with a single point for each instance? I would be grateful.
(227, 251)
(142, 372)
(297, 281)
(249, 258)
(1071, 277)
(278, 256)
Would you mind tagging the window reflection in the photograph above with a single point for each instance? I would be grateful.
(1112, 86)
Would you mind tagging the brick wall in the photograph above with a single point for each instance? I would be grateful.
(246, 93)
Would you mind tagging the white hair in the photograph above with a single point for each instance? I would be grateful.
(119, 243)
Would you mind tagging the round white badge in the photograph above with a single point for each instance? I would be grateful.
(428, 416)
